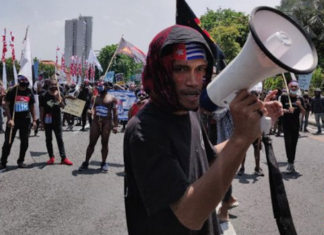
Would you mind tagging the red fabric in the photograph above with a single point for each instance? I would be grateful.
(157, 73)
(135, 109)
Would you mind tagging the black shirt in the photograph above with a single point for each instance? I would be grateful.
(52, 109)
(24, 101)
(163, 155)
(291, 119)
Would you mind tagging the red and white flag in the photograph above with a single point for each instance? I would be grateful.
(57, 49)
(4, 50)
(13, 55)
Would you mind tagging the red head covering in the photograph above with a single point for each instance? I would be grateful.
(157, 74)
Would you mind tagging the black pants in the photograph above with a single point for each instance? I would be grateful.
(291, 138)
(57, 128)
(23, 127)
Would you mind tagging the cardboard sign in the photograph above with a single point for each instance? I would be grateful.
(304, 81)
(125, 101)
(74, 107)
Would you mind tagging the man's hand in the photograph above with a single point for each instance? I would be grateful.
(245, 110)
(11, 123)
(34, 125)
(273, 108)
(114, 129)
(41, 126)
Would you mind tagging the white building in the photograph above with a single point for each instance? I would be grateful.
(78, 38)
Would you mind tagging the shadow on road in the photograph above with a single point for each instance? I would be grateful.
(291, 176)
(110, 164)
(246, 178)
(120, 174)
(37, 154)
(31, 166)
(88, 172)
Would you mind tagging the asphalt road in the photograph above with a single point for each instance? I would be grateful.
(304, 192)
(58, 199)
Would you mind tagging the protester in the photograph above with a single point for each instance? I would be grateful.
(2, 94)
(257, 147)
(105, 115)
(169, 187)
(308, 106)
(50, 115)
(72, 93)
(224, 128)
(38, 91)
(85, 94)
(19, 103)
(291, 123)
(318, 109)
(142, 99)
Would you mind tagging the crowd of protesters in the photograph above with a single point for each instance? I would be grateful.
(100, 113)
(21, 103)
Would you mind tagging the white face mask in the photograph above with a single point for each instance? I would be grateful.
(293, 92)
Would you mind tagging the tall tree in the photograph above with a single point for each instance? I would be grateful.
(229, 29)
(309, 14)
(121, 63)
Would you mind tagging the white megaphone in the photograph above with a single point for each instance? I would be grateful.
(275, 44)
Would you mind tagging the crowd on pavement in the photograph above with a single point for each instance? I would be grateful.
(180, 153)
(19, 108)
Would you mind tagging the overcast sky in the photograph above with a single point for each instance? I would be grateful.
(138, 20)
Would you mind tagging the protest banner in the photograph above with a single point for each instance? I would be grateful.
(304, 81)
(110, 77)
(125, 102)
(74, 107)
(120, 79)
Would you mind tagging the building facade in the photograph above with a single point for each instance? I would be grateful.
(78, 38)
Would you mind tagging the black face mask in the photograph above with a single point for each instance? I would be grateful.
(53, 88)
(24, 84)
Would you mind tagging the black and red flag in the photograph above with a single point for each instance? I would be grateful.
(185, 16)
(132, 51)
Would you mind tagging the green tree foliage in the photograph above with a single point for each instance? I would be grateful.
(9, 69)
(228, 28)
(309, 14)
(47, 70)
(317, 79)
(273, 83)
(121, 64)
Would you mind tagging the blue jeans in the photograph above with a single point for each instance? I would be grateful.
(319, 116)
(304, 121)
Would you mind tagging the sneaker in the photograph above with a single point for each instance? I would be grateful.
(2, 168)
(318, 133)
(104, 166)
(241, 171)
(258, 171)
(293, 170)
(51, 161)
(84, 166)
(23, 165)
(66, 161)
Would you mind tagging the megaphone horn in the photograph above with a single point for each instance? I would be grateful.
(276, 44)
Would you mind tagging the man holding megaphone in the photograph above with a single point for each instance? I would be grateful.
(174, 177)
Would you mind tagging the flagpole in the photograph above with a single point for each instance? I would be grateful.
(13, 115)
(113, 57)
(284, 78)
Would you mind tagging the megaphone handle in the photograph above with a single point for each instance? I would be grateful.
(265, 124)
